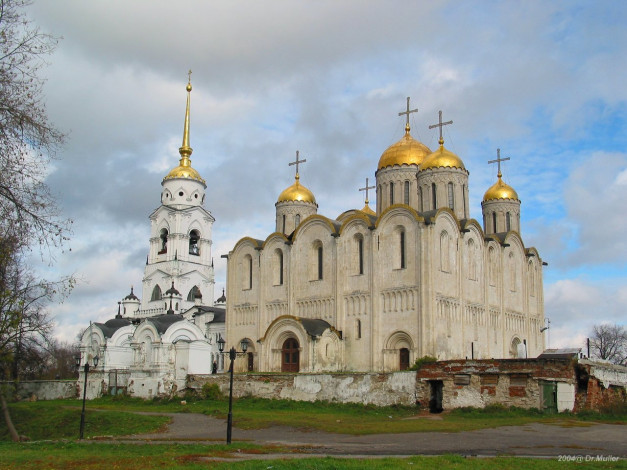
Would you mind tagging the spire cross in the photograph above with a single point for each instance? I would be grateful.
(498, 160)
(366, 189)
(297, 162)
(407, 113)
(189, 76)
(440, 124)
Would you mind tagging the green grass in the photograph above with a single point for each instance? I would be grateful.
(113, 417)
(101, 456)
(61, 420)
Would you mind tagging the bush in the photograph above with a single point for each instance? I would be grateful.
(211, 392)
(422, 360)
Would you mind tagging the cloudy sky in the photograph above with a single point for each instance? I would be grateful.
(542, 81)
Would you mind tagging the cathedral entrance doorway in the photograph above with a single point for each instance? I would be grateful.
(404, 359)
(290, 355)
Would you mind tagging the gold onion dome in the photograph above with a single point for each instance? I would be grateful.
(368, 210)
(297, 192)
(442, 158)
(185, 170)
(500, 190)
(407, 151)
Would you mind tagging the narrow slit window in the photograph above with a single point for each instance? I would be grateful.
(402, 248)
(406, 193)
(320, 258)
(494, 222)
(434, 200)
(451, 198)
(360, 249)
(391, 193)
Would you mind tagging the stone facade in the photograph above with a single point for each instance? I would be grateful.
(417, 277)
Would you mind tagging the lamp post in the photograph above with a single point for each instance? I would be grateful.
(86, 370)
(232, 354)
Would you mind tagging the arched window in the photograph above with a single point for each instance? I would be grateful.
(391, 193)
(194, 238)
(494, 222)
(451, 199)
(512, 270)
(444, 253)
(422, 201)
(492, 266)
(296, 221)
(508, 222)
(358, 329)
(532, 279)
(464, 200)
(359, 255)
(164, 241)
(472, 260)
(156, 293)
(320, 260)
(513, 348)
(247, 272)
(406, 193)
(402, 248)
(283, 224)
(434, 199)
(191, 296)
(278, 267)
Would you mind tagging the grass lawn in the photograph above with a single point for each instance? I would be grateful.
(113, 416)
(94, 455)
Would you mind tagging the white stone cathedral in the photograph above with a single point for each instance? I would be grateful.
(151, 346)
(374, 291)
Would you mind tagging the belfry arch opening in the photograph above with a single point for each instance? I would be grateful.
(163, 236)
(194, 240)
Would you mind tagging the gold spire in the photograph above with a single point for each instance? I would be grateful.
(185, 149)
(185, 170)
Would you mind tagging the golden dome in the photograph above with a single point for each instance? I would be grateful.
(297, 192)
(442, 158)
(500, 190)
(368, 210)
(184, 171)
(407, 151)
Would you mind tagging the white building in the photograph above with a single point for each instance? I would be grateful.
(154, 342)
(373, 291)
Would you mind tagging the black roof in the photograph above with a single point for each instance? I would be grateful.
(109, 327)
(314, 326)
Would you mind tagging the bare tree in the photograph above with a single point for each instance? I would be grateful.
(29, 215)
(28, 141)
(609, 342)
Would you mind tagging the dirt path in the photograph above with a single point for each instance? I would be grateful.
(533, 439)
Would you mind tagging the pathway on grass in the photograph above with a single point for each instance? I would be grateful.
(533, 439)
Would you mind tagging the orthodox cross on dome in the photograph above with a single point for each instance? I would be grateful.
(407, 113)
(498, 160)
(440, 124)
(366, 189)
(189, 76)
(297, 162)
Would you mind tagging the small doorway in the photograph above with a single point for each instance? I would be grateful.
(435, 399)
(404, 359)
(549, 397)
(251, 362)
(290, 355)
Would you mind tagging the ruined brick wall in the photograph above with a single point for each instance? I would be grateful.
(478, 383)
(601, 386)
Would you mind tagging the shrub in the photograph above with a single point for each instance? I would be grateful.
(211, 392)
(422, 360)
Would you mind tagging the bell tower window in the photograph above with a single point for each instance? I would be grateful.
(164, 241)
(156, 293)
(194, 238)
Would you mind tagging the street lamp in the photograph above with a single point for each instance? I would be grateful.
(232, 354)
(78, 364)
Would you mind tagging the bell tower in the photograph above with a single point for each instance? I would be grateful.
(180, 238)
